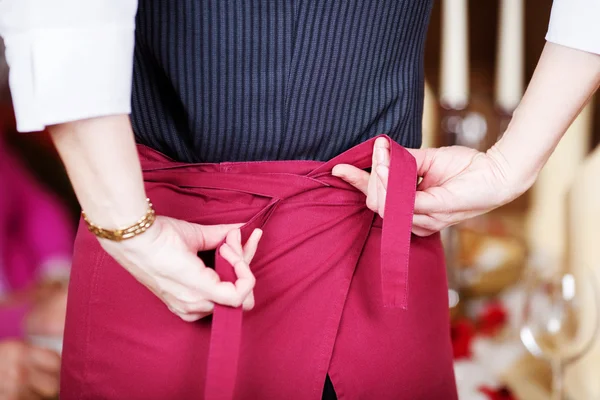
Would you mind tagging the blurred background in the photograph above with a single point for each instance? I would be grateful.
(523, 288)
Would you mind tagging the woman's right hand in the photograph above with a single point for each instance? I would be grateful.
(165, 260)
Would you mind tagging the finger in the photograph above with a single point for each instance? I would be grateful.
(13, 377)
(421, 232)
(199, 306)
(381, 191)
(382, 154)
(427, 202)
(228, 293)
(204, 307)
(372, 201)
(382, 143)
(427, 182)
(246, 281)
(374, 156)
(44, 359)
(248, 303)
(383, 173)
(433, 179)
(9, 390)
(252, 245)
(234, 240)
(175, 308)
(26, 393)
(192, 317)
(43, 383)
(225, 293)
(423, 159)
(354, 176)
(427, 223)
(229, 254)
(208, 237)
(188, 317)
(191, 295)
(372, 193)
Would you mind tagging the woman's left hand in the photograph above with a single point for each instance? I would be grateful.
(374, 184)
(458, 183)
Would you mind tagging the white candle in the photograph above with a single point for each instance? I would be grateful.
(547, 219)
(584, 255)
(510, 55)
(454, 91)
(430, 118)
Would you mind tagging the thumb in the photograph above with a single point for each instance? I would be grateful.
(354, 176)
(421, 156)
(208, 237)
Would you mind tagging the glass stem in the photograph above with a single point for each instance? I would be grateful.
(557, 380)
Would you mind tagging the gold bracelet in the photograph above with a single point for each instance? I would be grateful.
(118, 235)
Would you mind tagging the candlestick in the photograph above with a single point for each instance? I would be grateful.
(454, 97)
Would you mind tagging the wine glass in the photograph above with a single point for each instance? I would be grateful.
(560, 320)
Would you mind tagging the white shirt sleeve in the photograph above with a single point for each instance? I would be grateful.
(68, 59)
(576, 24)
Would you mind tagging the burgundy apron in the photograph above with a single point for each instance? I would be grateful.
(334, 294)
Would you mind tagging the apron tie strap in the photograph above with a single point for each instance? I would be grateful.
(397, 226)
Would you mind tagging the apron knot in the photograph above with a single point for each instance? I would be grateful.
(394, 258)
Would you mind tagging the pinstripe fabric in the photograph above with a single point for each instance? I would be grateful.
(240, 80)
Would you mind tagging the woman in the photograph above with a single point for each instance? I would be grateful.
(35, 251)
(35, 241)
(332, 304)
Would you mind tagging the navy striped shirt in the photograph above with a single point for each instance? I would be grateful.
(239, 80)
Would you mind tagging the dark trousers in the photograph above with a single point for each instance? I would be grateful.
(328, 391)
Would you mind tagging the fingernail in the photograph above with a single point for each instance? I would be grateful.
(381, 142)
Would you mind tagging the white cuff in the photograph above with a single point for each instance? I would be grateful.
(575, 24)
(59, 75)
